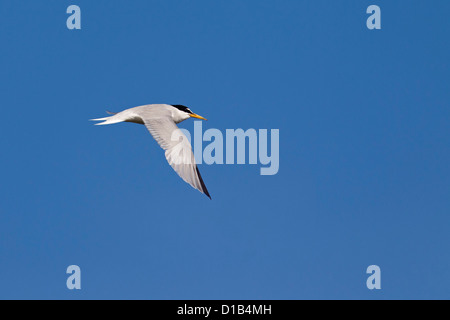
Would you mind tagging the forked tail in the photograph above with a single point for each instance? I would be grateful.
(109, 120)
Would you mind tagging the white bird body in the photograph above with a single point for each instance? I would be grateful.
(161, 120)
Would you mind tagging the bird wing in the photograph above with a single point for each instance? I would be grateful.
(178, 150)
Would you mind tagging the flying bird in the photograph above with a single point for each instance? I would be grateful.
(161, 120)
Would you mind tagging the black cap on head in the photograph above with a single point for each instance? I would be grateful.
(182, 108)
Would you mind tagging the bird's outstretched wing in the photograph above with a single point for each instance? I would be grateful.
(178, 150)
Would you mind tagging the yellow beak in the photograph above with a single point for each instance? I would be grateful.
(193, 115)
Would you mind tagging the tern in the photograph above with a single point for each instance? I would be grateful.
(161, 120)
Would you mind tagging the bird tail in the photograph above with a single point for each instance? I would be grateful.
(109, 120)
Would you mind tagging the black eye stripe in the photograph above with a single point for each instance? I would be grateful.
(182, 108)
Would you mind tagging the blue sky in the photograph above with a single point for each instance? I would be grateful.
(364, 150)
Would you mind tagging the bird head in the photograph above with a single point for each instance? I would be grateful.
(182, 113)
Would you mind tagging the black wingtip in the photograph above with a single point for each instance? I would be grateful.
(205, 191)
